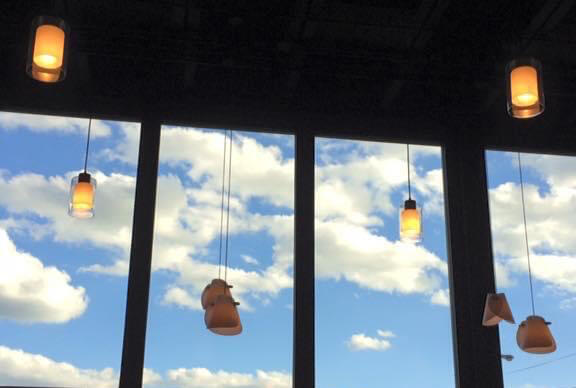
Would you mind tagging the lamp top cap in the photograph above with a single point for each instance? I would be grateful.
(84, 177)
(410, 204)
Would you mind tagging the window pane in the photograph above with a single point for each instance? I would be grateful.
(63, 280)
(382, 305)
(550, 197)
(181, 352)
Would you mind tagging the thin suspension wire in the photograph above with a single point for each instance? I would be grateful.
(408, 159)
(222, 206)
(228, 210)
(87, 144)
(526, 233)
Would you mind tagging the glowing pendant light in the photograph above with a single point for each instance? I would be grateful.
(524, 88)
(410, 215)
(82, 189)
(496, 310)
(221, 316)
(534, 335)
(48, 49)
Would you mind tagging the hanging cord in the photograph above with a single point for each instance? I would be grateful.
(408, 159)
(222, 207)
(87, 144)
(526, 232)
(228, 210)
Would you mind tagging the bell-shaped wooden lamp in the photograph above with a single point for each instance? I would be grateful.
(212, 290)
(534, 336)
(222, 316)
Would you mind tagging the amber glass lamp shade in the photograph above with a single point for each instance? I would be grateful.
(221, 317)
(48, 49)
(534, 336)
(410, 222)
(212, 290)
(82, 191)
(496, 310)
(525, 90)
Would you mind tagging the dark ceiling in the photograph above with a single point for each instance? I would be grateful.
(363, 58)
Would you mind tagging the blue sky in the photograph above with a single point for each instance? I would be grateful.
(381, 304)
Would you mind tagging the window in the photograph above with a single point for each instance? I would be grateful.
(180, 351)
(550, 196)
(382, 306)
(63, 280)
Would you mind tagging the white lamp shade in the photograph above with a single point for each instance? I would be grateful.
(410, 222)
(82, 190)
(48, 49)
(496, 309)
(212, 290)
(534, 336)
(221, 317)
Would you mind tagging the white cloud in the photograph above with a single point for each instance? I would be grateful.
(250, 260)
(441, 297)
(44, 124)
(32, 292)
(350, 252)
(20, 368)
(360, 342)
(204, 378)
(351, 193)
(28, 195)
(386, 333)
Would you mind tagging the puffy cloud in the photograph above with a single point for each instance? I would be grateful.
(44, 124)
(204, 378)
(250, 260)
(441, 297)
(353, 253)
(40, 203)
(21, 368)
(32, 292)
(549, 220)
(360, 342)
(352, 191)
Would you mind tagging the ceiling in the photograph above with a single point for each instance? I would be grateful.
(435, 59)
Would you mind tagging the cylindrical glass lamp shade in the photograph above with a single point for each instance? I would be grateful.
(496, 309)
(221, 317)
(82, 190)
(48, 49)
(525, 88)
(212, 290)
(534, 336)
(410, 222)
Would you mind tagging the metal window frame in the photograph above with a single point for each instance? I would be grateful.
(470, 257)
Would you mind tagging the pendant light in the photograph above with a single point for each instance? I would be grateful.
(48, 49)
(82, 189)
(496, 309)
(410, 214)
(221, 316)
(524, 88)
(534, 335)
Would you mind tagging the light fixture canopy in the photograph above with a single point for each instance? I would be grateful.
(48, 49)
(221, 316)
(534, 336)
(496, 310)
(410, 222)
(525, 91)
(82, 191)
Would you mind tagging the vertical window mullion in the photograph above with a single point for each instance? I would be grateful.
(140, 256)
(476, 348)
(304, 342)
